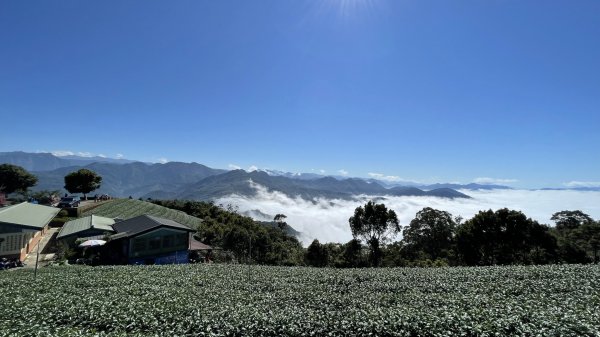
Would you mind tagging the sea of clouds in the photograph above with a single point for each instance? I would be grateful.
(327, 219)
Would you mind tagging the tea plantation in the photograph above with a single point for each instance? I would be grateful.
(234, 300)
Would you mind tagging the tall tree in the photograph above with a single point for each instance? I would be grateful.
(430, 233)
(579, 236)
(588, 238)
(82, 181)
(316, 255)
(15, 179)
(352, 255)
(503, 237)
(566, 220)
(374, 224)
(280, 220)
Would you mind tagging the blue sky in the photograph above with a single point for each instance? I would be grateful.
(418, 90)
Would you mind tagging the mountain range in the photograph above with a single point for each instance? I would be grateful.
(177, 180)
(48, 161)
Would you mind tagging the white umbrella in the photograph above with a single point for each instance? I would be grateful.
(92, 243)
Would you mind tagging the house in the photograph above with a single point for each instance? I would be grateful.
(2, 199)
(147, 239)
(89, 226)
(22, 226)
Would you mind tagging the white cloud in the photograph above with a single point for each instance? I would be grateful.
(62, 153)
(322, 171)
(234, 167)
(163, 160)
(343, 172)
(487, 180)
(582, 184)
(381, 176)
(252, 168)
(327, 219)
(85, 154)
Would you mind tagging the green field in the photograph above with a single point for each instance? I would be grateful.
(221, 300)
(129, 208)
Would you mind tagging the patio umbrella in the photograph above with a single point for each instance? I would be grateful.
(92, 243)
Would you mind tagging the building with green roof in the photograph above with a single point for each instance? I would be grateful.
(148, 239)
(22, 226)
(88, 226)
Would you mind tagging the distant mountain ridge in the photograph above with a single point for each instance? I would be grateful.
(471, 186)
(134, 179)
(177, 180)
(580, 188)
(391, 184)
(240, 182)
(48, 162)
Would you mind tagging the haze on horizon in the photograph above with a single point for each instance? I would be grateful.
(504, 92)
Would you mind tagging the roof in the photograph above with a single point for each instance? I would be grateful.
(28, 215)
(144, 223)
(197, 245)
(82, 224)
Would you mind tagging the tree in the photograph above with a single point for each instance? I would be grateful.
(504, 237)
(352, 254)
(588, 236)
(430, 233)
(374, 224)
(579, 236)
(237, 240)
(566, 220)
(394, 255)
(15, 179)
(82, 181)
(280, 220)
(316, 255)
(45, 197)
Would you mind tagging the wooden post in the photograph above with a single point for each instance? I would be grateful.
(249, 257)
(37, 258)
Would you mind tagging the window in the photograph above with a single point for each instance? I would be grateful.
(182, 239)
(167, 241)
(139, 245)
(154, 243)
(12, 242)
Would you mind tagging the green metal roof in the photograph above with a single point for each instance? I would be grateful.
(28, 215)
(85, 223)
(142, 223)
